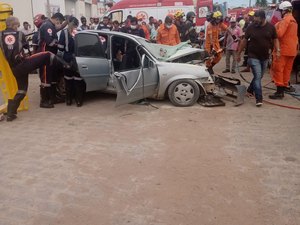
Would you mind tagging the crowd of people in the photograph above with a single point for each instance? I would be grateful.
(250, 32)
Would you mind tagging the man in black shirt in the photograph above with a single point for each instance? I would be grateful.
(261, 37)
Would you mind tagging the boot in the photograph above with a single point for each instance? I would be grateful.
(45, 98)
(55, 96)
(79, 92)
(69, 91)
(12, 108)
(279, 94)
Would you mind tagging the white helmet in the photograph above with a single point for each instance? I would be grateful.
(285, 5)
(232, 20)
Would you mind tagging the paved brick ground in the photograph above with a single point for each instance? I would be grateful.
(139, 165)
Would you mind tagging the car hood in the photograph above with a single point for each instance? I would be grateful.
(182, 53)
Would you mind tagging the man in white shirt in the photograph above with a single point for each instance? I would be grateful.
(26, 28)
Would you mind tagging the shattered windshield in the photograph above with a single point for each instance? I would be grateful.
(163, 52)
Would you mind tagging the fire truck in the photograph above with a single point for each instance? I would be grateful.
(159, 9)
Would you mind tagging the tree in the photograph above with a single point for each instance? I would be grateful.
(261, 3)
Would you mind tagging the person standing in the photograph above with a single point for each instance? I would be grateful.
(261, 37)
(12, 43)
(84, 25)
(74, 84)
(287, 30)
(167, 33)
(232, 38)
(212, 44)
(48, 40)
(104, 25)
(26, 29)
(189, 29)
(134, 28)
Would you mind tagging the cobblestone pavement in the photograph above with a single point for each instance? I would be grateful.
(134, 164)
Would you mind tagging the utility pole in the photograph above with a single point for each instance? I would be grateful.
(250, 3)
(48, 10)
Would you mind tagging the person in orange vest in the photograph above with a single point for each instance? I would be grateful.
(212, 45)
(167, 33)
(287, 30)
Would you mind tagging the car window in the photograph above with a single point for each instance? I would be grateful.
(124, 54)
(89, 45)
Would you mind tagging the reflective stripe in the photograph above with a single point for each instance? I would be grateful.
(45, 85)
(66, 40)
(21, 92)
(53, 43)
(78, 78)
(68, 78)
(60, 46)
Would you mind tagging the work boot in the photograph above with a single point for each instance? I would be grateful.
(69, 91)
(80, 87)
(45, 98)
(55, 96)
(12, 108)
(279, 94)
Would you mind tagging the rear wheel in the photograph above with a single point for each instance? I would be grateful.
(184, 93)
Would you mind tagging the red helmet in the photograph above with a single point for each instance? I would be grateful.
(38, 20)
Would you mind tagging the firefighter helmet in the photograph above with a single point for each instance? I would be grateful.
(179, 14)
(251, 13)
(217, 15)
(285, 5)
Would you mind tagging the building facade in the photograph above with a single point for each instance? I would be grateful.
(25, 10)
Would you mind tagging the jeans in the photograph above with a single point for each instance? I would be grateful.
(258, 68)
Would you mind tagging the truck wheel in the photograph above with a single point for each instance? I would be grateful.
(183, 93)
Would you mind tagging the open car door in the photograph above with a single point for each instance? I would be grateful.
(137, 84)
(91, 60)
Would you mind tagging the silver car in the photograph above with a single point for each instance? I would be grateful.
(134, 69)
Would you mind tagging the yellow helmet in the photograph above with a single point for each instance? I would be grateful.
(251, 13)
(217, 14)
(179, 14)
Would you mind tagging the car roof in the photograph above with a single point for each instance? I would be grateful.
(116, 33)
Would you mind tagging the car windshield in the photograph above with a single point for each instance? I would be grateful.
(162, 52)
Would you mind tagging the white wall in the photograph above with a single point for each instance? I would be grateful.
(22, 10)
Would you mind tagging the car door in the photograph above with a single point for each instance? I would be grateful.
(137, 84)
(92, 62)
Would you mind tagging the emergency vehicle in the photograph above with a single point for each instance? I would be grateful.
(159, 9)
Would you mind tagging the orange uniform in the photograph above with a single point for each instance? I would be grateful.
(168, 36)
(212, 41)
(146, 31)
(287, 30)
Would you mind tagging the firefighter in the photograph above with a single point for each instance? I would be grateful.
(167, 33)
(212, 45)
(74, 84)
(48, 40)
(179, 22)
(189, 30)
(287, 30)
(12, 43)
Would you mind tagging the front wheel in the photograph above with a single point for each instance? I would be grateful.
(184, 93)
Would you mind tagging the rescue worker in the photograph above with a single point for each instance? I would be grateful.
(38, 20)
(48, 40)
(134, 28)
(74, 84)
(179, 22)
(212, 45)
(189, 30)
(12, 43)
(287, 30)
(104, 25)
(167, 33)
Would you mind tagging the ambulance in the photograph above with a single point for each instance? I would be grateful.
(159, 9)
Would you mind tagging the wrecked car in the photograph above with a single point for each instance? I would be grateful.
(135, 69)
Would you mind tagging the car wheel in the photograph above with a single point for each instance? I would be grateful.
(183, 93)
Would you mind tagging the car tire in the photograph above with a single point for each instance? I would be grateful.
(183, 93)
